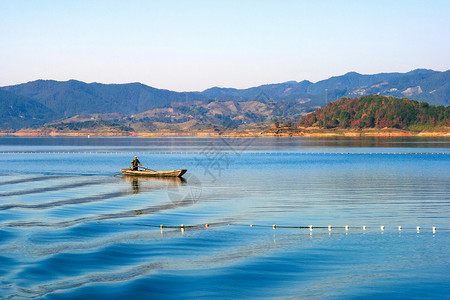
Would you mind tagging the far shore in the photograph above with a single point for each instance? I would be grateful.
(272, 132)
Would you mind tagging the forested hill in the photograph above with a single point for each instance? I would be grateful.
(17, 112)
(375, 111)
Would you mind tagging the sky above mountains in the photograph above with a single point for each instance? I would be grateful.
(194, 45)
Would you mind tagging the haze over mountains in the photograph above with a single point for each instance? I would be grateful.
(40, 102)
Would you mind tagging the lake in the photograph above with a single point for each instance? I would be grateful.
(237, 225)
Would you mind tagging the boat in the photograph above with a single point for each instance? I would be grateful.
(151, 173)
(144, 179)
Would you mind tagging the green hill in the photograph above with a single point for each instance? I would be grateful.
(17, 112)
(375, 111)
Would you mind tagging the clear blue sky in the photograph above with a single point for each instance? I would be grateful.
(194, 45)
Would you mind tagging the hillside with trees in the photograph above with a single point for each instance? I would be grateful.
(17, 112)
(376, 111)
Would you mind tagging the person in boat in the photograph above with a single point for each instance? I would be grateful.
(135, 163)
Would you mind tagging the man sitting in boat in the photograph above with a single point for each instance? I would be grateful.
(135, 163)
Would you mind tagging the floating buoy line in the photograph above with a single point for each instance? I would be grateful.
(311, 228)
(223, 152)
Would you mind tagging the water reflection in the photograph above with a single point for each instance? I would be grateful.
(192, 144)
(140, 184)
(135, 185)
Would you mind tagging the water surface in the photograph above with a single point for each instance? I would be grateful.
(70, 229)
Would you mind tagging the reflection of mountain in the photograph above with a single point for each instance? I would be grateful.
(123, 107)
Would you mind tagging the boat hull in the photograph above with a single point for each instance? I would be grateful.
(141, 173)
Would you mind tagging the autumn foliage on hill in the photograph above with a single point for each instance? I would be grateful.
(375, 111)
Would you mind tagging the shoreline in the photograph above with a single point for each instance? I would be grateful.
(370, 132)
(273, 132)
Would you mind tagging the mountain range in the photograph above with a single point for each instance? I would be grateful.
(42, 102)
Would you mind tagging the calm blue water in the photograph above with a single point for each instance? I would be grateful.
(69, 229)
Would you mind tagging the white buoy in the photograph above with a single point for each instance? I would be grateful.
(310, 227)
(346, 227)
(251, 225)
(382, 228)
(161, 226)
(207, 225)
(400, 228)
(418, 228)
(364, 227)
(182, 225)
(434, 229)
(274, 226)
(329, 227)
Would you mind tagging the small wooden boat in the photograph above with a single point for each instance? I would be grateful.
(149, 173)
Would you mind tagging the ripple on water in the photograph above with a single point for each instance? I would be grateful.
(98, 236)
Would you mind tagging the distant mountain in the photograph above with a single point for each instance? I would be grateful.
(220, 115)
(284, 90)
(353, 80)
(73, 97)
(17, 112)
(421, 84)
(378, 112)
(283, 101)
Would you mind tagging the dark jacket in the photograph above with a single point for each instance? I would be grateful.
(135, 162)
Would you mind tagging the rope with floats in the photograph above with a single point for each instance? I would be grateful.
(274, 226)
